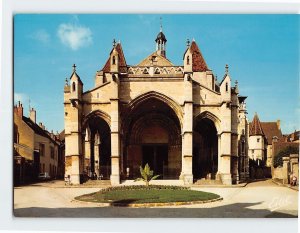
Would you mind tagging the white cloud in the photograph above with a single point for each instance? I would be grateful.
(74, 36)
(41, 35)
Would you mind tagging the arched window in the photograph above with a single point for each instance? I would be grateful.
(188, 60)
(73, 87)
(226, 87)
(114, 60)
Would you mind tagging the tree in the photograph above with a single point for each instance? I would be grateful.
(147, 175)
(284, 153)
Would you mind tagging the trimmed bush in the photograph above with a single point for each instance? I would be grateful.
(284, 153)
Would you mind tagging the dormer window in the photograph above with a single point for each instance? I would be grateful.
(113, 60)
(73, 87)
(188, 60)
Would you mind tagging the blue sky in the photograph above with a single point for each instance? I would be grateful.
(262, 52)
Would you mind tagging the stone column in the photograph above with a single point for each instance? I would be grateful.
(187, 133)
(295, 165)
(225, 158)
(73, 151)
(285, 169)
(115, 135)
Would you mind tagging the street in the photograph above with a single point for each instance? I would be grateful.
(255, 200)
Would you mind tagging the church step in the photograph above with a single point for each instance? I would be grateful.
(207, 182)
(97, 183)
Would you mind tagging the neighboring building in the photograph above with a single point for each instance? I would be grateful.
(35, 149)
(177, 118)
(293, 137)
(261, 137)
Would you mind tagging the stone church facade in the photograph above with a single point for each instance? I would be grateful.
(177, 118)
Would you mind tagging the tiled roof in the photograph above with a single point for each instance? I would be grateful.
(270, 130)
(255, 126)
(199, 63)
(122, 61)
(37, 129)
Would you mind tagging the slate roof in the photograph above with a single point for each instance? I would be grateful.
(122, 61)
(199, 63)
(37, 129)
(161, 36)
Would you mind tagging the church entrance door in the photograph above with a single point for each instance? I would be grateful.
(157, 158)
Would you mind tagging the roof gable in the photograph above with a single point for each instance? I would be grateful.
(155, 59)
(270, 130)
(122, 60)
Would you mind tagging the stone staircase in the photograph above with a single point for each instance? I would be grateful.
(208, 182)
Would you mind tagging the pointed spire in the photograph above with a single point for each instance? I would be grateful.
(66, 82)
(198, 63)
(256, 128)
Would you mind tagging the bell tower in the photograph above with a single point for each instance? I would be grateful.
(161, 42)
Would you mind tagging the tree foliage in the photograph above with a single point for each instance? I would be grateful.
(284, 153)
(147, 174)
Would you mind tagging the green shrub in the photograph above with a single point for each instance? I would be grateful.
(284, 153)
(147, 175)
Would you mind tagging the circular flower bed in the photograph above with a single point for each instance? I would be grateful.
(152, 195)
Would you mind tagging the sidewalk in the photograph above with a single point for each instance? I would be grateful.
(296, 188)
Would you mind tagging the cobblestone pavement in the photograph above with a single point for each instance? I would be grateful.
(257, 199)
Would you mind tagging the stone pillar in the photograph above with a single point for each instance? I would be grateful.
(96, 154)
(294, 161)
(224, 164)
(285, 169)
(73, 154)
(187, 133)
(115, 135)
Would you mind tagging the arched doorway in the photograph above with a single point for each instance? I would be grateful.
(152, 135)
(205, 149)
(97, 147)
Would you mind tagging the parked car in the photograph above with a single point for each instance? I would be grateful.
(44, 176)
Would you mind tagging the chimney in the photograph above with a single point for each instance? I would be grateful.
(32, 115)
(19, 109)
(278, 124)
(41, 125)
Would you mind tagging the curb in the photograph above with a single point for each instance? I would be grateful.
(287, 186)
(152, 204)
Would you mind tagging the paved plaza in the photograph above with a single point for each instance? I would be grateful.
(255, 200)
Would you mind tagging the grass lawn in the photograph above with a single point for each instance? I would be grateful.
(152, 194)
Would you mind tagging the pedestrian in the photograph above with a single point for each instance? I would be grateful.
(294, 181)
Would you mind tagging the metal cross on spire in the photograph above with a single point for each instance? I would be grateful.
(74, 67)
(226, 68)
(160, 19)
(188, 43)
